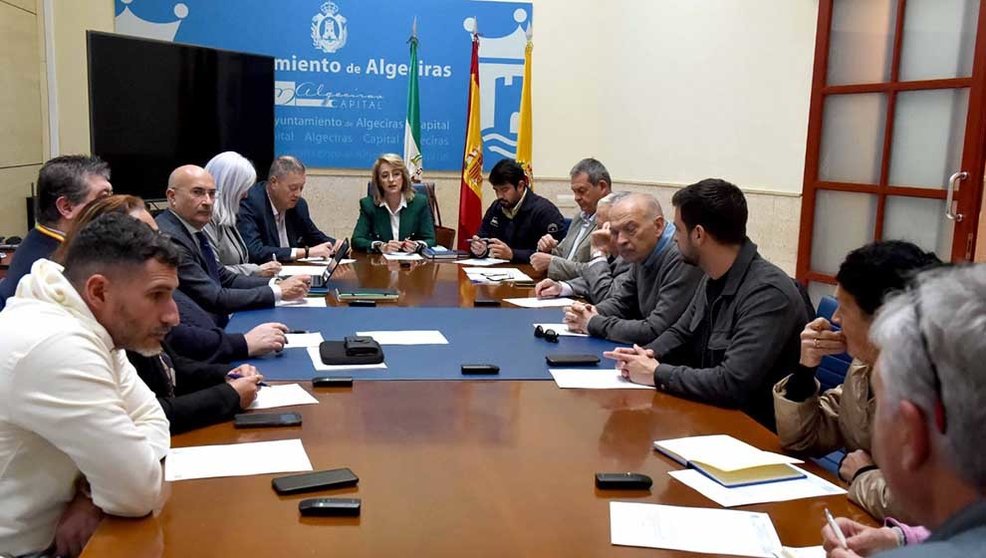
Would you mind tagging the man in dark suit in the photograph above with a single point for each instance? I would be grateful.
(65, 185)
(191, 192)
(274, 219)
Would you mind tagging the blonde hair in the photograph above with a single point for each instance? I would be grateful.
(395, 161)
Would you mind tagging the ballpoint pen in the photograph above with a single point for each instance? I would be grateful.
(237, 376)
(835, 529)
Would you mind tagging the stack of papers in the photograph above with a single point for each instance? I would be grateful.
(482, 262)
(583, 378)
(402, 256)
(811, 486)
(307, 302)
(531, 302)
(498, 275)
(729, 461)
(236, 460)
(322, 367)
(737, 533)
(271, 397)
(406, 337)
(302, 340)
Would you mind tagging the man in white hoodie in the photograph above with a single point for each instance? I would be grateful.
(76, 422)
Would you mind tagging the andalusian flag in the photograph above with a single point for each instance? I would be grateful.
(524, 136)
(471, 189)
(412, 125)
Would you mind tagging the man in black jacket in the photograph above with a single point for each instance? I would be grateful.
(195, 394)
(517, 219)
(741, 332)
(191, 192)
(274, 219)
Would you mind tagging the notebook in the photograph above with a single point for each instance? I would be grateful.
(729, 461)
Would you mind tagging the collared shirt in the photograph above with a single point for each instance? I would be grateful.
(588, 221)
(395, 217)
(282, 229)
(512, 212)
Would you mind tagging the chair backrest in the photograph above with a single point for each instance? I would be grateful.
(445, 236)
(832, 370)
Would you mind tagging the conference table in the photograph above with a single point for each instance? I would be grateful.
(452, 467)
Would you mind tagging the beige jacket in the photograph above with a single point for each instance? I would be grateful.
(839, 418)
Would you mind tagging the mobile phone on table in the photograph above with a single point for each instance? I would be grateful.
(318, 480)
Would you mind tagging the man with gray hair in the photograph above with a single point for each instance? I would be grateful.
(563, 260)
(658, 286)
(606, 269)
(274, 220)
(930, 392)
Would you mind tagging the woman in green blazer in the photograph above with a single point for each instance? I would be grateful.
(394, 218)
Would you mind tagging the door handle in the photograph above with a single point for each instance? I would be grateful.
(952, 181)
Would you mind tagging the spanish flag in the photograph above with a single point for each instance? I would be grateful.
(525, 135)
(471, 189)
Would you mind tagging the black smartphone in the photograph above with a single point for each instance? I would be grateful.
(363, 303)
(571, 360)
(260, 420)
(480, 369)
(486, 302)
(318, 480)
(332, 381)
(330, 507)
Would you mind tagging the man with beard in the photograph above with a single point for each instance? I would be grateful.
(741, 332)
(71, 406)
(518, 218)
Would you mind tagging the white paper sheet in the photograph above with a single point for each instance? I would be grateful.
(291, 270)
(532, 302)
(322, 367)
(307, 302)
(236, 460)
(482, 262)
(407, 337)
(802, 552)
(812, 486)
(737, 533)
(723, 452)
(403, 257)
(302, 340)
(575, 378)
(270, 397)
(561, 329)
(318, 259)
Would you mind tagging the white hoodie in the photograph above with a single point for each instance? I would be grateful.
(69, 404)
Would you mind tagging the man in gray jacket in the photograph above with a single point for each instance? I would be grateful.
(605, 269)
(564, 260)
(658, 286)
(741, 332)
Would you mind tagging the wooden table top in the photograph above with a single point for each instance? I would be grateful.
(452, 468)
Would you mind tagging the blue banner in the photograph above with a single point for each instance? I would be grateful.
(341, 69)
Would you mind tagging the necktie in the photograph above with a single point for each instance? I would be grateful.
(210, 257)
(169, 373)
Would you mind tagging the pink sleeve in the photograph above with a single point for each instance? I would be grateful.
(913, 534)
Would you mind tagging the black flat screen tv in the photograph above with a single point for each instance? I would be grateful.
(154, 106)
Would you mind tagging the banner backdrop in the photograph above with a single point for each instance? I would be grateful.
(341, 69)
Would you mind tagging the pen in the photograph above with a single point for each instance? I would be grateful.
(273, 257)
(237, 376)
(835, 528)
(298, 331)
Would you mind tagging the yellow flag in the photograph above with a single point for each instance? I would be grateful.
(524, 135)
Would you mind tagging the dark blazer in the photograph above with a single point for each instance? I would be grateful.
(36, 245)
(374, 223)
(256, 224)
(198, 337)
(201, 395)
(233, 291)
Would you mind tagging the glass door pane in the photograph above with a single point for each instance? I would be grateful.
(852, 138)
(844, 221)
(929, 133)
(921, 221)
(862, 41)
(939, 39)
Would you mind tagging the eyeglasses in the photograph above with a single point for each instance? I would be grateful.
(940, 415)
(549, 335)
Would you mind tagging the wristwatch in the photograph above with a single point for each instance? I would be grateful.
(306, 251)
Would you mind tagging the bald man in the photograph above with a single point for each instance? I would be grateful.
(191, 193)
(658, 286)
